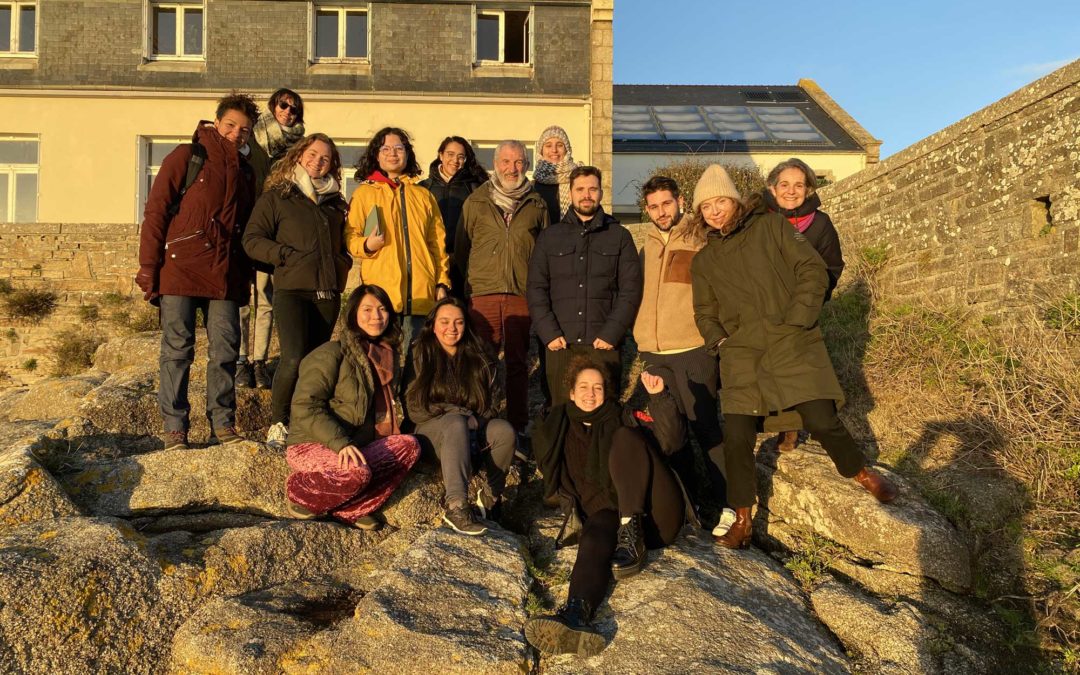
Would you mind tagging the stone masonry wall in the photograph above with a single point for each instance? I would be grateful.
(985, 213)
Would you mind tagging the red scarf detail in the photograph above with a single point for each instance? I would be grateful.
(378, 176)
(802, 224)
(381, 357)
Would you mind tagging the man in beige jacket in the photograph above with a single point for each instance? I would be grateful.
(667, 337)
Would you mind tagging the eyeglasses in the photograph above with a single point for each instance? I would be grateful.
(282, 105)
(395, 149)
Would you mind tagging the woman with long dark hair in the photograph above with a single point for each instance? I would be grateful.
(346, 449)
(758, 287)
(396, 232)
(298, 227)
(453, 403)
(607, 468)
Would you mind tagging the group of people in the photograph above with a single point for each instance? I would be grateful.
(462, 269)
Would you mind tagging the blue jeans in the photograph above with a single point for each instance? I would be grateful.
(178, 351)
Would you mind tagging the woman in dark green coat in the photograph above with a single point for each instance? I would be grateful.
(758, 288)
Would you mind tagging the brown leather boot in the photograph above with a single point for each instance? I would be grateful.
(788, 439)
(739, 534)
(881, 487)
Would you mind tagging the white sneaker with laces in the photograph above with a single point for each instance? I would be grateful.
(727, 519)
(276, 436)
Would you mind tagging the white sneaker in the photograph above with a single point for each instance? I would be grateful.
(275, 438)
(727, 519)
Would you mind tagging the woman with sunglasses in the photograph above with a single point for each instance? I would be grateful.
(396, 232)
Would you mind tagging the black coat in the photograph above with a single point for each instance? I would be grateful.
(585, 282)
(304, 242)
(550, 193)
(821, 234)
(450, 196)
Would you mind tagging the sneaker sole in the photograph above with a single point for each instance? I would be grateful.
(178, 446)
(553, 637)
(459, 531)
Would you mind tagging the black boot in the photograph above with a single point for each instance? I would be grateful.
(245, 378)
(262, 377)
(568, 631)
(630, 552)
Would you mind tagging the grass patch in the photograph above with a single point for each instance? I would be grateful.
(30, 365)
(810, 564)
(88, 313)
(73, 351)
(29, 304)
(6, 286)
(1064, 314)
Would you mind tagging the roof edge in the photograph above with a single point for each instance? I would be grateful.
(855, 130)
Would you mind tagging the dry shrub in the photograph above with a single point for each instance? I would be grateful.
(686, 173)
(29, 304)
(73, 351)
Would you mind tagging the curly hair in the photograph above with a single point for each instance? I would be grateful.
(580, 364)
(281, 175)
(369, 161)
(472, 167)
(242, 103)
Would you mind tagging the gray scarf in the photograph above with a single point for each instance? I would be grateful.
(509, 200)
(273, 137)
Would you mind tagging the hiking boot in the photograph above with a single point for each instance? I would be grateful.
(276, 436)
(566, 632)
(369, 523)
(262, 375)
(727, 519)
(245, 376)
(226, 436)
(630, 551)
(881, 487)
(461, 519)
(739, 534)
(788, 441)
(175, 440)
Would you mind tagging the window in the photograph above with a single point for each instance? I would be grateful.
(503, 36)
(152, 152)
(18, 28)
(485, 154)
(18, 179)
(351, 151)
(175, 30)
(339, 33)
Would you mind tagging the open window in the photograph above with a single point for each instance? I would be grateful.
(503, 36)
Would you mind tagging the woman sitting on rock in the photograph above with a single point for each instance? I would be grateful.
(791, 191)
(451, 399)
(346, 452)
(758, 287)
(603, 466)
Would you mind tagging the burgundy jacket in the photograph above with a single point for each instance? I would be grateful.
(198, 253)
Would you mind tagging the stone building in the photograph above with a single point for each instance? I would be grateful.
(752, 126)
(94, 94)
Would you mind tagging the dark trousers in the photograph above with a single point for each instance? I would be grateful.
(449, 436)
(303, 323)
(820, 419)
(222, 319)
(502, 320)
(693, 378)
(558, 362)
(644, 485)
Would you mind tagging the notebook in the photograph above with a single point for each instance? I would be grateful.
(371, 224)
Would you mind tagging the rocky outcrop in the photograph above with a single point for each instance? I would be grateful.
(54, 399)
(28, 492)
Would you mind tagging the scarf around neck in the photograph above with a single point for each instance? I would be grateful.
(381, 357)
(603, 422)
(317, 190)
(801, 217)
(509, 200)
(556, 174)
(273, 137)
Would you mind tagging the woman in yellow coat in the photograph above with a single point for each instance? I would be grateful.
(395, 230)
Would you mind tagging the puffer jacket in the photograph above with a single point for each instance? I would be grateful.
(198, 253)
(304, 241)
(757, 296)
(665, 320)
(584, 281)
(413, 261)
(451, 197)
(334, 403)
(493, 257)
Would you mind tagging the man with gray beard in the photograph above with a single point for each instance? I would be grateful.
(495, 237)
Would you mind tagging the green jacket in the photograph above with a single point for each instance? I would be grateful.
(757, 294)
(493, 257)
(333, 403)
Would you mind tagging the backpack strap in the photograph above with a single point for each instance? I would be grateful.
(195, 164)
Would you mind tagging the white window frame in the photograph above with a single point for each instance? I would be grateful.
(12, 170)
(347, 170)
(12, 49)
(149, 171)
(501, 14)
(484, 146)
(342, 9)
(148, 29)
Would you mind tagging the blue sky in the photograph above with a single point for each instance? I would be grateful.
(903, 69)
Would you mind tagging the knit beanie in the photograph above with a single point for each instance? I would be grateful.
(715, 182)
(556, 132)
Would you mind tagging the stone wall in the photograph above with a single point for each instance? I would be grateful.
(985, 213)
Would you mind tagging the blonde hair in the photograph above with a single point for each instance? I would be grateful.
(699, 229)
(281, 175)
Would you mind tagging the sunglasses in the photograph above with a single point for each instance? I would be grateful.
(282, 105)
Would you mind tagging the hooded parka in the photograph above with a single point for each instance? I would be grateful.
(757, 296)
(450, 196)
(198, 253)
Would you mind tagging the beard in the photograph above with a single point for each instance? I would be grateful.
(587, 212)
(674, 221)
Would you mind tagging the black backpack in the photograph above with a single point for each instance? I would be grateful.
(195, 164)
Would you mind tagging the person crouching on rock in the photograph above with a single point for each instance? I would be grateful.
(758, 287)
(345, 449)
(451, 399)
(601, 463)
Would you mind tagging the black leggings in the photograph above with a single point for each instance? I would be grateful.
(303, 324)
(644, 485)
(819, 418)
